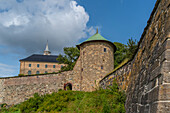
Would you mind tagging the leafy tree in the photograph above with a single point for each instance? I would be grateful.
(131, 48)
(70, 58)
(120, 53)
(124, 51)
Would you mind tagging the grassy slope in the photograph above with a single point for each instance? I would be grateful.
(101, 101)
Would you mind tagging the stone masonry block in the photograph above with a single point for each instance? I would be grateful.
(166, 77)
(166, 67)
(164, 92)
(153, 94)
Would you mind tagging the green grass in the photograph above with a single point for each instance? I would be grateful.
(110, 100)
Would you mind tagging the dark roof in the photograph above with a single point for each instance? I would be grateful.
(41, 58)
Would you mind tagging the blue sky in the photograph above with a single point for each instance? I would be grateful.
(26, 25)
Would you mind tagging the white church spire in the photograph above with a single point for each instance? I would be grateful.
(47, 51)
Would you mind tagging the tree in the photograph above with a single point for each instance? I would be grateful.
(131, 48)
(120, 53)
(124, 51)
(70, 58)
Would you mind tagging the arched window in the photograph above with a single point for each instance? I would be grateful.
(29, 72)
(37, 72)
(68, 86)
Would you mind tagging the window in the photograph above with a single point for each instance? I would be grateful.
(104, 49)
(61, 66)
(37, 72)
(29, 65)
(53, 66)
(46, 72)
(29, 72)
(38, 65)
(46, 66)
(101, 67)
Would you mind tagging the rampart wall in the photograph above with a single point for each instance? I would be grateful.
(18, 89)
(146, 78)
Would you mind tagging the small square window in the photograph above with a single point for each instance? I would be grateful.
(53, 66)
(46, 66)
(37, 72)
(38, 65)
(29, 72)
(104, 49)
(29, 65)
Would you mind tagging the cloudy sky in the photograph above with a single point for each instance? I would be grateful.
(26, 25)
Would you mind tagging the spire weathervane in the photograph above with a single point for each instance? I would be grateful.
(97, 31)
(47, 51)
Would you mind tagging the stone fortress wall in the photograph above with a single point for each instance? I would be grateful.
(18, 89)
(146, 78)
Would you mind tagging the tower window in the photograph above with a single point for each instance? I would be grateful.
(29, 72)
(46, 66)
(38, 65)
(104, 49)
(37, 72)
(29, 65)
(53, 66)
(101, 67)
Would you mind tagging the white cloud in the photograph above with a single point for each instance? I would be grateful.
(7, 70)
(29, 23)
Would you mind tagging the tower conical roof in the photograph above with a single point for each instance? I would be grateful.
(96, 37)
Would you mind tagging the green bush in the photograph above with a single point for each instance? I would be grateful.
(110, 100)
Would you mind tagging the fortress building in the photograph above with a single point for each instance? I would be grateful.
(95, 61)
(145, 78)
(38, 64)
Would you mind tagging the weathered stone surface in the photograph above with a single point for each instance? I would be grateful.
(19, 89)
(148, 75)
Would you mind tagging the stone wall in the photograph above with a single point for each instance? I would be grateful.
(94, 63)
(146, 78)
(18, 89)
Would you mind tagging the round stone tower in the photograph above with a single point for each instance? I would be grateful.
(96, 60)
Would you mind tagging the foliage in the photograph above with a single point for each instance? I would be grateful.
(70, 58)
(110, 100)
(20, 75)
(124, 52)
(131, 48)
(120, 53)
